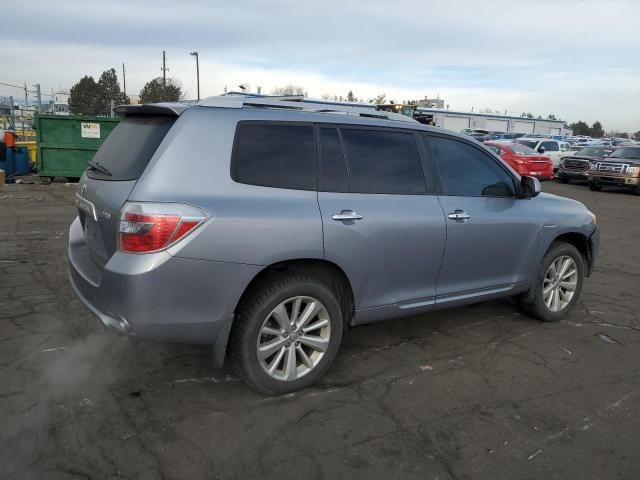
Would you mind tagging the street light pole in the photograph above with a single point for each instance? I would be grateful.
(195, 54)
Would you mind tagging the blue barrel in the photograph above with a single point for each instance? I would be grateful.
(14, 160)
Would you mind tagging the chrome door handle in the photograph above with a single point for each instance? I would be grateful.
(347, 216)
(459, 215)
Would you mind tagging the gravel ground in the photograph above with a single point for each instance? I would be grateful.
(470, 393)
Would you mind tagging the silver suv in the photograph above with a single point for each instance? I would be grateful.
(265, 227)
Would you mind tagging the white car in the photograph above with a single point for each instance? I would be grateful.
(555, 149)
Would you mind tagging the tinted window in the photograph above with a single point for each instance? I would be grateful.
(467, 171)
(494, 149)
(592, 152)
(127, 150)
(383, 162)
(550, 146)
(333, 170)
(528, 143)
(522, 149)
(275, 155)
(633, 153)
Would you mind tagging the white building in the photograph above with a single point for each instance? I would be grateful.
(459, 121)
(431, 102)
(60, 103)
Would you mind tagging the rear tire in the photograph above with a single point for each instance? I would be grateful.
(541, 299)
(593, 187)
(273, 346)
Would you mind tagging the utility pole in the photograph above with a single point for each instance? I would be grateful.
(124, 81)
(37, 85)
(164, 71)
(13, 114)
(26, 100)
(195, 54)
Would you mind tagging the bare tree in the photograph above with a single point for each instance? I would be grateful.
(289, 90)
(326, 96)
(380, 99)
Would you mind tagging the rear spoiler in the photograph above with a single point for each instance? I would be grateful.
(173, 109)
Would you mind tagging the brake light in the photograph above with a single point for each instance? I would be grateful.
(150, 227)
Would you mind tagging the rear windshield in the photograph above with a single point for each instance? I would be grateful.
(522, 149)
(128, 149)
(592, 152)
(633, 153)
(528, 143)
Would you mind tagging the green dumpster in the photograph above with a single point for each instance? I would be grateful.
(67, 142)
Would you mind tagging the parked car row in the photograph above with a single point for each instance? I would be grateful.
(538, 157)
(601, 167)
(597, 166)
(524, 160)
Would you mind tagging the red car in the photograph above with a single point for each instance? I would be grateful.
(524, 160)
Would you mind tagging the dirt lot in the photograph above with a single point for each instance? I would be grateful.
(475, 392)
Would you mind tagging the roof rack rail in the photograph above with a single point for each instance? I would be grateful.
(298, 102)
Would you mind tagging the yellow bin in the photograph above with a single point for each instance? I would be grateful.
(32, 147)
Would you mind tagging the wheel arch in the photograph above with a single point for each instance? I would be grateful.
(582, 244)
(328, 272)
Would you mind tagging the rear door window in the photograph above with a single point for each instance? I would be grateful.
(467, 171)
(275, 155)
(128, 149)
(381, 161)
(333, 170)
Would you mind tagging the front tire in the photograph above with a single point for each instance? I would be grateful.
(287, 333)
(557, 285)
(594, 188)
(563, 180)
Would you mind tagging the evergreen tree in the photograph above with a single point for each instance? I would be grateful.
(596, 130)
(154, 91)
(580, 128)
(84, 97)
(109, 89)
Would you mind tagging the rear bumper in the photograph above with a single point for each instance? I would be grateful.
(157, 296)
(542, 172)
(544, 176)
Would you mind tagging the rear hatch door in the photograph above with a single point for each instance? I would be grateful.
(117, 166)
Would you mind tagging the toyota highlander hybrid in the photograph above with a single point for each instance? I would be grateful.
(264, 227)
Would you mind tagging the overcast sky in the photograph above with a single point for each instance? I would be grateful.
(577, 59)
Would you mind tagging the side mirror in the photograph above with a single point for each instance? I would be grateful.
(540, 150)
(530, 187)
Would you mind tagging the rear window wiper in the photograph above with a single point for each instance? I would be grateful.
(96, 166)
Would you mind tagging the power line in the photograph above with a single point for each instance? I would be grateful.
(10, 85)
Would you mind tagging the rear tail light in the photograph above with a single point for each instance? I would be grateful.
(150, 227)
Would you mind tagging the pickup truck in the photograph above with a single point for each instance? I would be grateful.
(620, 169)
(576, 167)
(552, 148)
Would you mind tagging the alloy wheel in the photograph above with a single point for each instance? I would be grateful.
(560, 283)
(293, 338)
